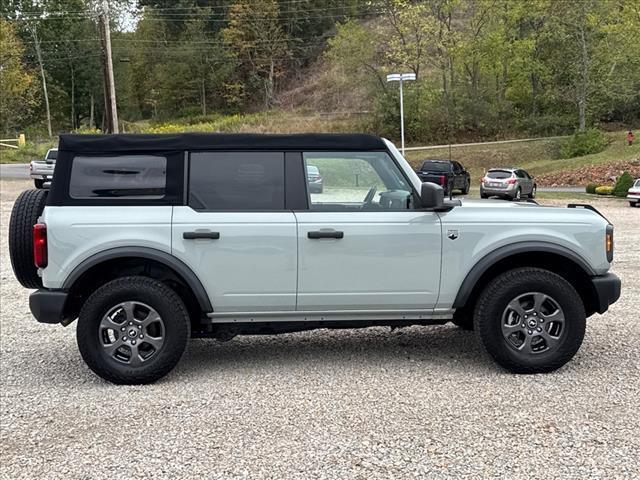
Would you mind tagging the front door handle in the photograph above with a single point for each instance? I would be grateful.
(198, 235)
(325, 234)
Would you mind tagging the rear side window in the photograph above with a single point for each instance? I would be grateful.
(52, 154)
(236, 181)
(119, 177)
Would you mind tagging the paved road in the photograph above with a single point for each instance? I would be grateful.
(14, 170)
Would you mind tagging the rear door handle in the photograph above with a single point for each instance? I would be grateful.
(197, 235)
(325, 234)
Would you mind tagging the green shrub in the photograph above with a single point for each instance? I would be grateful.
(591, 187)
(623, 184)
(604, 190)
(584, 143)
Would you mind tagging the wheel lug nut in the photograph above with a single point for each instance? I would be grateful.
(526, 316)
(130, 323)
(124, 338)
(535, 314)
(141, 336)
(542, 320)
(122, 329)
(539, 329)
(133, 342)
(530, 332)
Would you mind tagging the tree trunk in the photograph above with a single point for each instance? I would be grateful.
(584, 79)
(203, 93)
(91, 119)
(73, 98)
(44, 78)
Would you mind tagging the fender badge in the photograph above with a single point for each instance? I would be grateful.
(452, 234)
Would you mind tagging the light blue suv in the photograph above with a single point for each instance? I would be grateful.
(149, 240)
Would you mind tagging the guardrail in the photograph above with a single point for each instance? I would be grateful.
(19, 142)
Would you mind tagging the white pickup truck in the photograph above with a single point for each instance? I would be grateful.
(148, 240)
(41, 171)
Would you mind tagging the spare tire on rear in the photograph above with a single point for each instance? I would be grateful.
(28, 207)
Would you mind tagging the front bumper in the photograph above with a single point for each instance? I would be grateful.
(633, 198)
(48, 305)
(607, 288)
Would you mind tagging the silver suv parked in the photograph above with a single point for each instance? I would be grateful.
(510, 183)
(151, 240)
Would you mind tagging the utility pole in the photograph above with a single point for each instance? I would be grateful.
(36, 43)
(111, 107)
(401, 77)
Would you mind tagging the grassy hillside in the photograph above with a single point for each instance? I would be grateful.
(537, 157)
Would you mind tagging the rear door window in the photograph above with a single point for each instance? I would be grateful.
(118, 177)
(236, 181)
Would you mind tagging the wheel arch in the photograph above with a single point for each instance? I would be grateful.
(549, 256)
(104, 266)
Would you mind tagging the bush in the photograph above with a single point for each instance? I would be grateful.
(584, 143)
(604, 190)
(591, 187)
(623, 184)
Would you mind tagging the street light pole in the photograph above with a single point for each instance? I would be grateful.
(401, 77)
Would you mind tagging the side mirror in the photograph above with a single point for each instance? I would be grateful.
(431, 196)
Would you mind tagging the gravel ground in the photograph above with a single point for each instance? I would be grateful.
(423, 402)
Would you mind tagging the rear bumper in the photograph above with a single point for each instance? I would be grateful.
(635, 199)
(607, 288)
(48, 305)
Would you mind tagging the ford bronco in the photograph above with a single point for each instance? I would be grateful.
(149, 240)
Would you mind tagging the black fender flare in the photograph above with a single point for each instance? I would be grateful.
(159, 256)
(490, 259)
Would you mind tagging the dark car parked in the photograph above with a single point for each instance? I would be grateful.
(449, 175)
(314, 179)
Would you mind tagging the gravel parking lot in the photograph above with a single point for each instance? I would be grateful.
(423, 402)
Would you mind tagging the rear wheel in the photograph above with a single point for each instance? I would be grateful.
(133, 330)
(530, 320)
(467, 187)
(26, 210)
(518, 195)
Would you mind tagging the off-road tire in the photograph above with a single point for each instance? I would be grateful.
(38, 183)
(507, 286)
(140, 289)
(26, 210)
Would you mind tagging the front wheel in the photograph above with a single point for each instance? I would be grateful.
(38, 183)
(534, 191)
(133, 330)
(530, 320)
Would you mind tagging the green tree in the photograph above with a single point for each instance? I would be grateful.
(17, 83)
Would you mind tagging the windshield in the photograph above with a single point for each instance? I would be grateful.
(434, 166)
(637, 184)
(498, 174)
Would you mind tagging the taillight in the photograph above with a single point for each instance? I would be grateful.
(442, 177)
(511, 181)
(40, 257)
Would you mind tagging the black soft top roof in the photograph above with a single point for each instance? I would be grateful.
(217, 141)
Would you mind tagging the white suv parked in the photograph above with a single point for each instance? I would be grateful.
(148, 240)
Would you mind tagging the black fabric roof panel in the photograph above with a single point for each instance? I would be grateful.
(217, 141)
